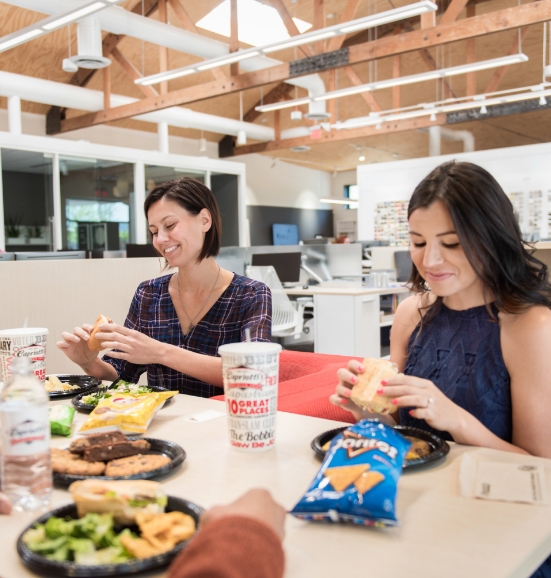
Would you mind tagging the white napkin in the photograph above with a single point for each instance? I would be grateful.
(205, 416)
(497, 480)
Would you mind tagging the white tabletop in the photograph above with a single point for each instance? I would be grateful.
(441, 533)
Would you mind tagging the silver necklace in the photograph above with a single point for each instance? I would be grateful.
(191, 325)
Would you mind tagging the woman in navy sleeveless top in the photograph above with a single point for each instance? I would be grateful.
(472, 342)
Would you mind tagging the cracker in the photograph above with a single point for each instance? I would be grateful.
(367, 481)
(343, 476)
(136, 464)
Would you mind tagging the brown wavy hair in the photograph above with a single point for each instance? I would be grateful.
(489, 234)
(193, 196)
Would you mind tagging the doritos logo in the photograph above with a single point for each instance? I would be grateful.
(356, 445)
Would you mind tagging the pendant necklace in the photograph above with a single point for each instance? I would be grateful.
(191, 325)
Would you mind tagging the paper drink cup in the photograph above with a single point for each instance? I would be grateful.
(251, 375)
(25, 342)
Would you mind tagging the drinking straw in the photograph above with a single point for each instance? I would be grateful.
(25, 323)
(247, 335)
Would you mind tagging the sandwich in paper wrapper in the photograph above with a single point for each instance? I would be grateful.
(358, 479)
(131, 414)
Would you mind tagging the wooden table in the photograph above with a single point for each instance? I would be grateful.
(441, 533)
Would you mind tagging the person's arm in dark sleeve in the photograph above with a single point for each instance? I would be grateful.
(231, 547)
(258, 315)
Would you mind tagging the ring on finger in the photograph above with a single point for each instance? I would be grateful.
(430, 401)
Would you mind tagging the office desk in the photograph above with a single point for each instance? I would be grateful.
(347, 320)
(441, 534)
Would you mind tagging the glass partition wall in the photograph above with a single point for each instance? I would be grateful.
(59, 195)
(27, 200)
(97, 204)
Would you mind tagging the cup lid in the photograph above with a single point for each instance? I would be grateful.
(249, 347)
(23, 332)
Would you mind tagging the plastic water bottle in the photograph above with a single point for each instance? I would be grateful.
(25, 468)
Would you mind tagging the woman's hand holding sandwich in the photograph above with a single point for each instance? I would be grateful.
(426, 400)
(75, 345)
(131, 345)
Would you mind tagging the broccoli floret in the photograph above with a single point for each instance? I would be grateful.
(56, 527)
(48, 546)
(104, 531)
(36, 534)
(86, 527)
(61, 554)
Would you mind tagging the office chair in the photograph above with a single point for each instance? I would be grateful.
(287, 319)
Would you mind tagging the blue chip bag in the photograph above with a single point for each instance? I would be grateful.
(358, 479)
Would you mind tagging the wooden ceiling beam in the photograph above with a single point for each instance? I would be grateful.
(367, 96)
(290, 24)
(234, 36)
(132, 72)
(163, 50)
(500, 20)
(348, 14)
(188, 25)
(453, 11)
(499, 73)
(319, 23)
(341, 135)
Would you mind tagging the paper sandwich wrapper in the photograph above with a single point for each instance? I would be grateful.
(364, 393)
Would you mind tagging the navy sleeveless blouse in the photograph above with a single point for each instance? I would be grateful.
(460, 352)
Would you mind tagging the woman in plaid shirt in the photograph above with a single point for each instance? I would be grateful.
(177, 322)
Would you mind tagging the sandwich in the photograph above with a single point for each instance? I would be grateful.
(364, 393)
(94, 343)
(124, 499)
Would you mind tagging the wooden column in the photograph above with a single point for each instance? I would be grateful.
(277, 125)
(234, 39)
(428, 20)
(471, 56)
(107, 87)
(319, 22)
(332, 103)
(163, 51)
(396, 73)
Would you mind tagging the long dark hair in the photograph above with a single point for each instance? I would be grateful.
(489, 234)
(193, 196)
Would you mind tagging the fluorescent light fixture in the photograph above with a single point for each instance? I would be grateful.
(52, 23)
(154, 78)
(19, 39)
(339, 201)
(484, 64)
(284, 104)
(298, 40)
(237, 57)
(75, 15)
(313, 36)
(390, 16)
(402, 80)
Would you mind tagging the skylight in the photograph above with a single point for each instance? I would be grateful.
(257, 23)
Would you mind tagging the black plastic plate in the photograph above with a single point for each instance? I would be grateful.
(439, 447)
(42, 565)
(79, 405)
(173, 451)
(85, 382)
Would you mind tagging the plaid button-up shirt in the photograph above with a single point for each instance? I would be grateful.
(244, 304)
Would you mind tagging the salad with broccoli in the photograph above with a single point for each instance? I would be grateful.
(91, 540)
(121, 387)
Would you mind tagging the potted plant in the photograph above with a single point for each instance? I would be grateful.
(34, 235)
(12, 231)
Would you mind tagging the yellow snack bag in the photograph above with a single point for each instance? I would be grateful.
(129, 413)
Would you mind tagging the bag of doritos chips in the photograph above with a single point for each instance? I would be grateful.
(358, 478)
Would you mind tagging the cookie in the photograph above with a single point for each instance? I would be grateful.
(135, 465)
(64, 462)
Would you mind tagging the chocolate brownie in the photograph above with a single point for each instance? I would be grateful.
(79, 445)
(112, 451)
